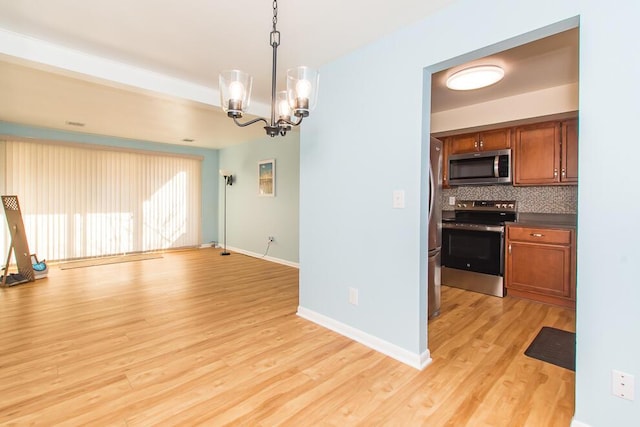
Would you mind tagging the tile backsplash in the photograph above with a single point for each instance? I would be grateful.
(548, 199)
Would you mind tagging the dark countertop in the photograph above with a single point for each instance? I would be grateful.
(546, 220)
(536, 219)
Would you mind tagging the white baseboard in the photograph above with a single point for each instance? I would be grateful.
(576, 423)
(418, 361)
(266, 258)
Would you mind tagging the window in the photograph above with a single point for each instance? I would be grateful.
(83, 201)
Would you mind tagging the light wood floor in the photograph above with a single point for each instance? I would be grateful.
(196, 338)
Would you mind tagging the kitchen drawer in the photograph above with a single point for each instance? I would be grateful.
(540, 235)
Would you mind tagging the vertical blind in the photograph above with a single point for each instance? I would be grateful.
(79, 202)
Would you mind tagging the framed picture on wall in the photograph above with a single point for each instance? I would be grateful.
(267, 178)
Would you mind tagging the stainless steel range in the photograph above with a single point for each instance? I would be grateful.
(473, 245)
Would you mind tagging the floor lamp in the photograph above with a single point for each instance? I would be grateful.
(228, 180)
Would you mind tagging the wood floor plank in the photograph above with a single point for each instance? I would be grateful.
(194, 338)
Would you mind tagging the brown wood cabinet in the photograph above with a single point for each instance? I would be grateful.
(540, 264)
(497, 139)
(546, 153)
(569, 170)
(446, 144)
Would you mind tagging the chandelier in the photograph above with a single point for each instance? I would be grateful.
(290, 106)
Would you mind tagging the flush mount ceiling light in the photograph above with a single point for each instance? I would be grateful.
(299, 98)
(475, 77)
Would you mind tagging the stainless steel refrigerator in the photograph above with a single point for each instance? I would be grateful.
(435, 228)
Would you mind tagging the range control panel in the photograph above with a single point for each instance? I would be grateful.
(487, 205)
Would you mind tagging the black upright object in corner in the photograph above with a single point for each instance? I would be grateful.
(228, 180)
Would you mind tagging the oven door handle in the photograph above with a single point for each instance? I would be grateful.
(473, 227)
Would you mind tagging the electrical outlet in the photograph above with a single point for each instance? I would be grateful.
(622, 385)
(353, 296)
(270, 239)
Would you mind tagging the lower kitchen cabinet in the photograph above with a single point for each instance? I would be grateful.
(541, 264)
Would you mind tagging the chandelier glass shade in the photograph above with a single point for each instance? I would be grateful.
(235, 92)
(302, 90)
(288, 107)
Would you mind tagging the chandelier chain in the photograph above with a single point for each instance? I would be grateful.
(275, 14)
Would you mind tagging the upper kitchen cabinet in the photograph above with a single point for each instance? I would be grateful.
(497, 139)
(446, 144)
(546, 153)
(569, 171)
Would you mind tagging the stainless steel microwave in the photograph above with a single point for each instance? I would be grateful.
(481, 167)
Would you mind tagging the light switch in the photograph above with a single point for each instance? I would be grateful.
(398, 199)
(452, 200)
(353, 296)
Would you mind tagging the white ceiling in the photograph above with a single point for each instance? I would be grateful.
(147, 69)
(544, 63)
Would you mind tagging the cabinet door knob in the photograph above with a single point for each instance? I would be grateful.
(564, 173)
(536, 235)
(555, 173)
(475, 144)
(481, 143)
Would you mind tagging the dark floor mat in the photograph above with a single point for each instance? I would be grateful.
(554, 346)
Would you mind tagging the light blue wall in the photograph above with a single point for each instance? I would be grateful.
(608, 317)
(250, 217)
(365, 140)
(209, 230)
